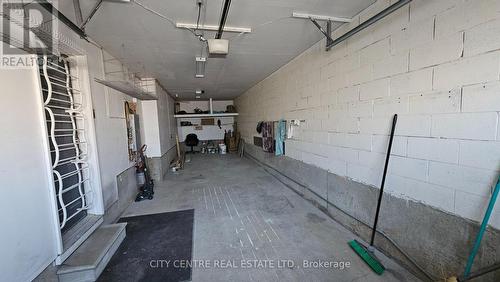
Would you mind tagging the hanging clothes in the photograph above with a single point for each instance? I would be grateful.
(280, 138)
(291, 128)
(267, 136)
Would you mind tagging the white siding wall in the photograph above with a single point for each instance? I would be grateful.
(110, 125)
(437, 65)
(28, 239)
(167, 122)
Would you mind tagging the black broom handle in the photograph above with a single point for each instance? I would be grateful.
(374, 230)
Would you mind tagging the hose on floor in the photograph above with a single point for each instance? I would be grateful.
(407, 256)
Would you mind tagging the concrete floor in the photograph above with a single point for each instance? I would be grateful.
(244, 214)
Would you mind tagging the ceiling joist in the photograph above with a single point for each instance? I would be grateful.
(320, 17)
(329, 19)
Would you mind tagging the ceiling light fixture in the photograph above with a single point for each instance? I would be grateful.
(200, 67)
(214, 28)
(218, 47)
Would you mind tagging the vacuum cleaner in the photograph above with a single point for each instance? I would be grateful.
(146, 191)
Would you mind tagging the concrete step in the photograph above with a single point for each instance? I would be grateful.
(90, 259)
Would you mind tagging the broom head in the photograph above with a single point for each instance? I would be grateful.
(368, 257)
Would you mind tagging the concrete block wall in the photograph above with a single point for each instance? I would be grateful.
(437, 65)
(416, 228)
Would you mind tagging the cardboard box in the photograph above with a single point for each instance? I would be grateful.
(207, 121)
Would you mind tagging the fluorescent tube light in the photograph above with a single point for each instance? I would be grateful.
(214, 28)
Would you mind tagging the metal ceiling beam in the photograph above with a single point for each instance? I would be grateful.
(387, 11)
(78, 12)
(329, 39)
(223, 18)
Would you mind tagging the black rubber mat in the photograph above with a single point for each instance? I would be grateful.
(151, 242)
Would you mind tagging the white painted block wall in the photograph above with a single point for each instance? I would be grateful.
(158, 124)
(437, 65)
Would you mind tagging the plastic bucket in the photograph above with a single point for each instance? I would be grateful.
(222, 149)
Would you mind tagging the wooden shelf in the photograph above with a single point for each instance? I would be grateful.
(206, 115)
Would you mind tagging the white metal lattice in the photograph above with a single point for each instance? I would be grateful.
(66, 110)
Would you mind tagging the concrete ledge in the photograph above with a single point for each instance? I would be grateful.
(127, 191)
(438, 241)
(158, 166)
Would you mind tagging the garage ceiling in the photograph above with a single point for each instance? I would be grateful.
(152, 46)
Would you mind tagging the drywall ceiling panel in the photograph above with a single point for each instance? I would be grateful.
(153, 46)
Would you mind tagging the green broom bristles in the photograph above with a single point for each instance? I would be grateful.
(367, 257)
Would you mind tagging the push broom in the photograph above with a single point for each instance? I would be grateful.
(367, 253)
(477, 244)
